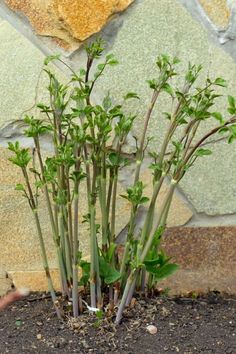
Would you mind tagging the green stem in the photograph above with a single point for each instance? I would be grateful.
(208, 135)
(75, 252)
(130, 285)
(113, 206)
(124, 262)
(126, 258)
(56, 237)
(130, 280)
(148, 224)
(103, 197)
(109, 193)
(42, 244)
(93, 246)
(75, 234)
(46, 266)
(144, 131)
(69, 210)
(165, 203)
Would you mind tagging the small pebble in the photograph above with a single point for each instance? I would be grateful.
(39, 336)
(152, 329)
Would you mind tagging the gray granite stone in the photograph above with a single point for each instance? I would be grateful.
(22, 81)
(210, 184)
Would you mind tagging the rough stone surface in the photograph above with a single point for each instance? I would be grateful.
(206, 257)
(18, 235)
(5, 282)
(69, 21)
(210, 184)
(22, 79)
(217, 10)
(35, 280)
(137, 45)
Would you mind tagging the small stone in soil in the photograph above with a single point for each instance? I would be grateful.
(152, 329)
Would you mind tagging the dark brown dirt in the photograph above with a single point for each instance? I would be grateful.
(184, 325)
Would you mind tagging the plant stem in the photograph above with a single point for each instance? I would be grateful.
(46, 266)
(124, 262)
(150, 214)
(56, 237)
(121, 307)
(75, 251)
(69, 210)
(131, 290)
(42, 245)
(126, 258)
(104, 210)
(75, 290)
(144, 131)
(130, 285)
(165, 203)
(93, 256)
(113, 206)
(208, 135)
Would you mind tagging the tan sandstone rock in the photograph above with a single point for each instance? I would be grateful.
(217, 10)
(69, 21)
(5, 282)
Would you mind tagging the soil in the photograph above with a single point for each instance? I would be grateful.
(184, 325)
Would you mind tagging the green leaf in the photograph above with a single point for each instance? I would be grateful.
(232, 105)
(82, 72)
(144, 200)
(153, 84)
(223, 130)
(167, 115)
(110, 56)
(101, 66)
(85, 266)
(114, 158)
(176, 60)
(107, 102)
(166, 270)
(231, 110)
(39, 184)
(163, 272)
(50, 58)
(203, 152)
(152, 262)
(99, 314)
(130, 95)
(232, 136)
(108, 272)
(220, 82)
(113, 62)
(218, 116)
(168, 89)
(111, 251)
(231, 101)
(19, 187)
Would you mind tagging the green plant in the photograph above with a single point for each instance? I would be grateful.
(83, 153)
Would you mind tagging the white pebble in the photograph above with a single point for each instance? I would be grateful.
(152, 329)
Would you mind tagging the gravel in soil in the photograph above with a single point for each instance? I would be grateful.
(184, 325)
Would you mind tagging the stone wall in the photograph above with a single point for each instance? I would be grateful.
(200, 31)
